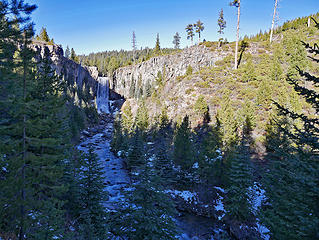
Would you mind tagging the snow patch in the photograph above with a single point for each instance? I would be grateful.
(219, 205)
(186, 195)
(264, 232)
(256, 196)
(195, 165)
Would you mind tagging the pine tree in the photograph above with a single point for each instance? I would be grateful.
(142, 118)
(183, 146)
(239, 180)
(150, 212)
(199, 26)
(73, 55)
(67, 52)
(221, 24)
(249, 71)
(118, 140)
(177, 40)
(92, 219)
(43, 35)
(127, 118)
(236, 3)
(135, 156)
(46, 145)
(190, 32)
(157, 48)
(14, 202)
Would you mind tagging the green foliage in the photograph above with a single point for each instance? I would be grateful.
(127, 118)
(67, 53)
(292, 144)
(157, 48)
(150, 212)
(118, 139)
(190, 32)
(227, 118)
(249, 71)
(73, 55)
(183, 146)
(177, 41)
(199, 27)
(239, 180)
(264, 94)
(135, 156)
(142, 118)
(44, 36)
(296, 54)
(92, 215)
(221, 22)
(201, 107)
(189, 70)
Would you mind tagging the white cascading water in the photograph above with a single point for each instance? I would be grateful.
(102, 95)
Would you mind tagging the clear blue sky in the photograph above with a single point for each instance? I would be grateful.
(99, 25)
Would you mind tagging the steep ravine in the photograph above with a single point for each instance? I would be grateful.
(117, 179)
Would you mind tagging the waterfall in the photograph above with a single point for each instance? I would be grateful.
(102, 95)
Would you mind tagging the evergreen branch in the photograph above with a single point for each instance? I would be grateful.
(311, 96)
(317, 24)
(311, 49)
(310, 78)
(311, 121)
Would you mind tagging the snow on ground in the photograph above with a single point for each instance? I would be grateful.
(219, 205)
(186, 195)
(195, 165)
(264, 232)
(256, 196)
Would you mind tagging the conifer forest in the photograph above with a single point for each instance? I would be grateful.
(212, 134)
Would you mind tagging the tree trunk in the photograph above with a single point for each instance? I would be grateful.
(237, 35)
(273, 21)
(309, 21)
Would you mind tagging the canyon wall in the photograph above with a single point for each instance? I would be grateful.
(126, 81)
(70, 70)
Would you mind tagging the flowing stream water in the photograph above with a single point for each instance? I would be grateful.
(116, 176)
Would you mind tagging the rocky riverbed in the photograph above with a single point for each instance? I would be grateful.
(117, 179)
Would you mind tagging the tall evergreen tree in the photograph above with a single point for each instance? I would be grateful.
(73, 55)
(177, 40)
(142, 117)
(190, 32)
(67, 52)
(183, 145)
(199, 27)
(221, 24)
(157, 48)
(92, 219)
(239, 179)
(149, 213)
(17, 31)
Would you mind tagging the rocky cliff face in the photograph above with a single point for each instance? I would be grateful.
(127, 81)
(70, 70)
